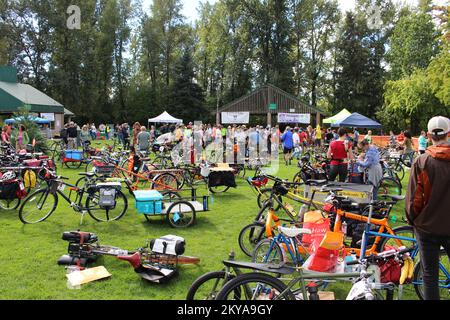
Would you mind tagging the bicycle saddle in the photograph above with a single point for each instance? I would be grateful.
(293, 232)
(316, 182)
(398, 198)
(394, 198)
(87, 174)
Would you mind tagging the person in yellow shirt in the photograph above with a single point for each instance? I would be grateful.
(318, 141)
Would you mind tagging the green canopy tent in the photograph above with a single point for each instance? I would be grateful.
(344, 114)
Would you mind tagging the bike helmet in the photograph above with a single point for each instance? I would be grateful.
(8, 176)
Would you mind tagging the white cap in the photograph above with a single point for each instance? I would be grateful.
(439, 126)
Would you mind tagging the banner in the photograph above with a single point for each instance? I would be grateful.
(235, 117)
(304, 118)
(48, 116)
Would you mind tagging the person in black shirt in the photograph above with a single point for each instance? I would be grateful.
(72, 135)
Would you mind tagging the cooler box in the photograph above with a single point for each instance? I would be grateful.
(359, 193)
(73, 155)
(148, 201)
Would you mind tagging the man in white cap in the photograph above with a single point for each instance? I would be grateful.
(428, 203)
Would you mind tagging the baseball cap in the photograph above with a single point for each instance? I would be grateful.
(439, 126)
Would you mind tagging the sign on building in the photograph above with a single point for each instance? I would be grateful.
(304, 118)
(48, 116)
(235, 117)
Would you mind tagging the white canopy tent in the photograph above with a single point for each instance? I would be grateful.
(165, 118)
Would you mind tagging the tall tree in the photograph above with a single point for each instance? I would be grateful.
(187, 98)
(412, 45)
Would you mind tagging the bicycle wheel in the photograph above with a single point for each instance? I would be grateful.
(444, 279)
(266, 251)
(165, 181)
(264, 195)
(181, 214)
(250, 236)
(73, 164)
(219, 189)
(9, 205)
(255, 286)
(400, 171)
(105, 215)
(403, 231)
(208, 286)
(38, 207)
(389, 186)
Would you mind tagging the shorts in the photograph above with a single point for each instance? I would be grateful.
(287, 150)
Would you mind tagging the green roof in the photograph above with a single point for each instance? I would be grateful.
(15, 95)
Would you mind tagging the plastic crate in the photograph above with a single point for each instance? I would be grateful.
(359, 193)
(148, 202)
(73, 155)
(104, 170)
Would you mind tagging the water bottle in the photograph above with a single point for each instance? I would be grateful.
(344, 228)
(301, 213)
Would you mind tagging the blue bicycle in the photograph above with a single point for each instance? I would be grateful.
(444, 264)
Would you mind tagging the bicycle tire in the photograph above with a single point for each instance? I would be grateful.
(32, 199)
(73, 164)
(10, 205)
(91, 210)
(254, 238)
(199, 282)
(399, 231)
(219, 189)
(386, 184)
(157, 182)
(174, 217)
(418, 276)
(261, 202)
(276, 251)
(260, 278)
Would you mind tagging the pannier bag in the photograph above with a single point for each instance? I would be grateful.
(29, 179)
(107, 194)
(10, 190)
(169, 245)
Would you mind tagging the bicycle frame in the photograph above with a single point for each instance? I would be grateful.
(383, 225)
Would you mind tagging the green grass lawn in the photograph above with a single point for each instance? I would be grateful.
(28, 253)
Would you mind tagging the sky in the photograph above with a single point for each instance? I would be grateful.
(190, 6)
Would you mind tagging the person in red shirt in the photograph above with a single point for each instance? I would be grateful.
(303, 138)
(340, 151)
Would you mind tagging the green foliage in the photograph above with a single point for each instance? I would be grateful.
(413, 44)
(360, 78)
(187, 99)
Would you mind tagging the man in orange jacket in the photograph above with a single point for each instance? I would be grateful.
(428, 203)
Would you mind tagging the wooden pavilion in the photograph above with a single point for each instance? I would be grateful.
(270, 100)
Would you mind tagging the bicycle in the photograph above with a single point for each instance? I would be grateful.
(444, 275)
(40, 205)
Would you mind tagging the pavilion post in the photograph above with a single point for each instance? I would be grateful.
(269, 119)
(318, 118)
